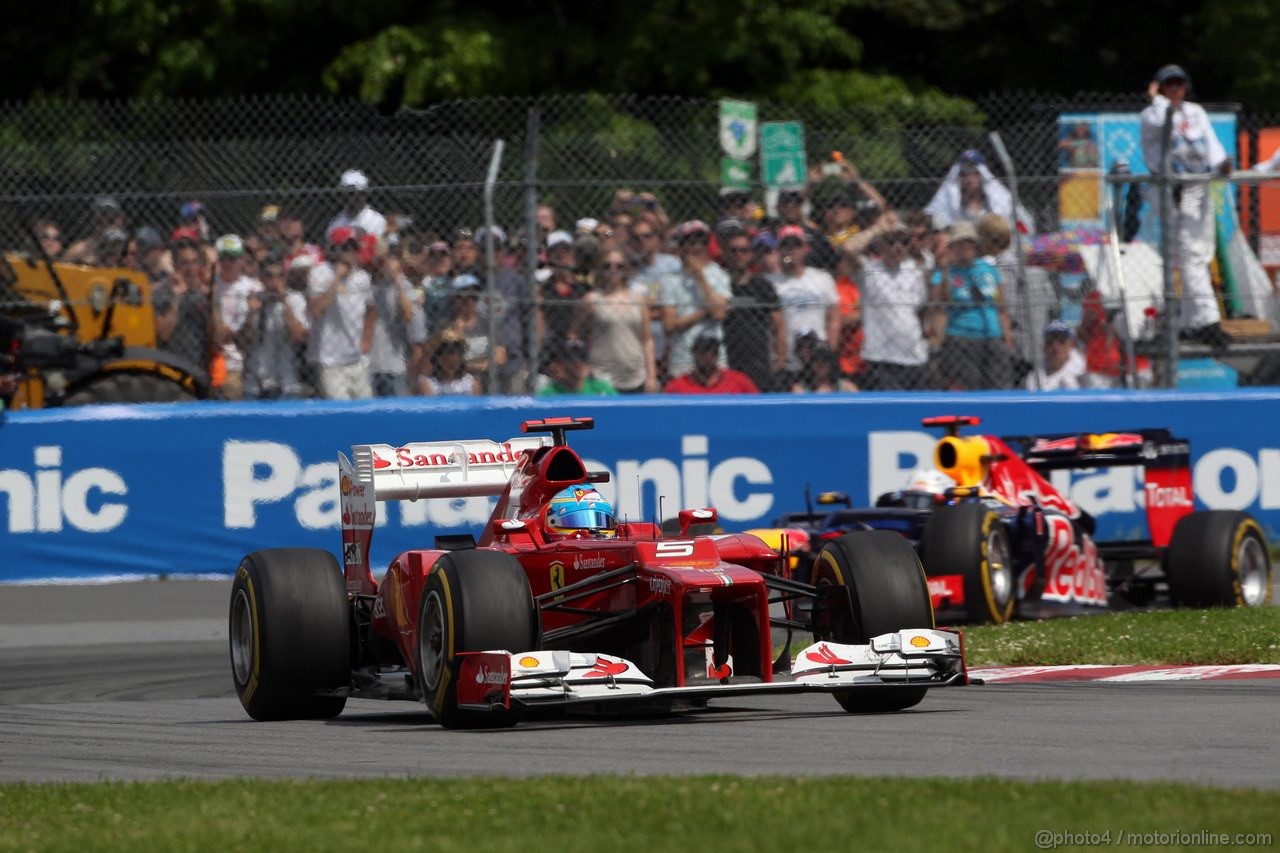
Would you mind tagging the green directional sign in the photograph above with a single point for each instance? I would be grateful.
(737, 128)
(782, 160)
(736, 174)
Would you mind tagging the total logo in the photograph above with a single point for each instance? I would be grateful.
(1223, 478)
(50, 499)
(261, 474)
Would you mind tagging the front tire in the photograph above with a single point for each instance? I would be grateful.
(970, 540)
(290, 634)
(1218, 558)
(473, 601)
(889, 593)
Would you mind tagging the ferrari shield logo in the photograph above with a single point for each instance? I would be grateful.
(557, 575)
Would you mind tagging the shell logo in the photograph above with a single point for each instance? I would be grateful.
(529, 661)
(920, 642)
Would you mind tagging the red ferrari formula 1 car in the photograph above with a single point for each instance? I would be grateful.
(560, 605)
(996, 538)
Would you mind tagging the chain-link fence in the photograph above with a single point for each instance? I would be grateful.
(360, 263)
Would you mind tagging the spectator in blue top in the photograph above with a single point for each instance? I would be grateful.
(977, 348)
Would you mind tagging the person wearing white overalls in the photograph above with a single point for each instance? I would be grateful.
(1194, 149)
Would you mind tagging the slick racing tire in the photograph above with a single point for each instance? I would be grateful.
(1218, 558)
(127, 387)
(888, 590)
(970, 540)
(472, 601)
(290, 634)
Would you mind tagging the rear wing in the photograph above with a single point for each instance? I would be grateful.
(437, 469)
(1149, 448)
(426, 469)
(1167, 490)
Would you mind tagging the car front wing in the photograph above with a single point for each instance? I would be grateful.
(498, 680)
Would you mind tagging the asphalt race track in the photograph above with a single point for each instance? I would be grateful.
(132, 681)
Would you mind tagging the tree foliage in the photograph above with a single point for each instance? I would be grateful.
(396, 52)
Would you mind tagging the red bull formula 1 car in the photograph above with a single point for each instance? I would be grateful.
(998, 539)
(558, 605)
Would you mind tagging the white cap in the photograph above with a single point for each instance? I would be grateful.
(499, 236)
(354, 179)
(556, 238)
(586, 224)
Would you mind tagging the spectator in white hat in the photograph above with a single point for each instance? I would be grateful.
(807, 294)
(356, 210)
(231, 292)
(976, 351)
(696, 299)
(1194, 148)
(1063, 364)
(560, 249)
(276, 327)
(340, 302)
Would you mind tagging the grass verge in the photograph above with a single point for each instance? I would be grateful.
(1159, 637)
(612, 813)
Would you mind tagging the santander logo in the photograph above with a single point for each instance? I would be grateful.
(414, 457)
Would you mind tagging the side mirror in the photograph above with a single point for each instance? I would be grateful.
(597, 476)
(690, 517)
(507, 526)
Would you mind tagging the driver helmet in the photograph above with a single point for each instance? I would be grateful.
(929, 480)
(580, 511)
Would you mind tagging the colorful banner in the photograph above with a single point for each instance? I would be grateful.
(145, 490)
(1091, 145)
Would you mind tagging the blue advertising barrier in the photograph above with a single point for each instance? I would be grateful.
(183, 489)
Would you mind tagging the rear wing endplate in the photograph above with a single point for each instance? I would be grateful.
(437, 469)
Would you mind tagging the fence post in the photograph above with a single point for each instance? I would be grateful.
(533, 236)
(1020, 269)
(495, 160)
(1172, 310)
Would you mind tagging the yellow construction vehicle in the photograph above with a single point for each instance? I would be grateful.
(77, 335)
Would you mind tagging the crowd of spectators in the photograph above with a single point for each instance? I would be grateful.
(824, 288)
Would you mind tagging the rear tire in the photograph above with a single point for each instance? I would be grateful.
(127, 387)
(1218, 558)
(970, 540)
(290, 634)
(472, 601)
(889, 593)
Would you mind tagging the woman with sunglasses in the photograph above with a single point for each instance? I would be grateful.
(615, 320)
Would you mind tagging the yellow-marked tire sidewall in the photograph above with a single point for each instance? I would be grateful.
(998, 615)
(438, 585)
(829, 560)
(1246, 527)
(255, 673)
